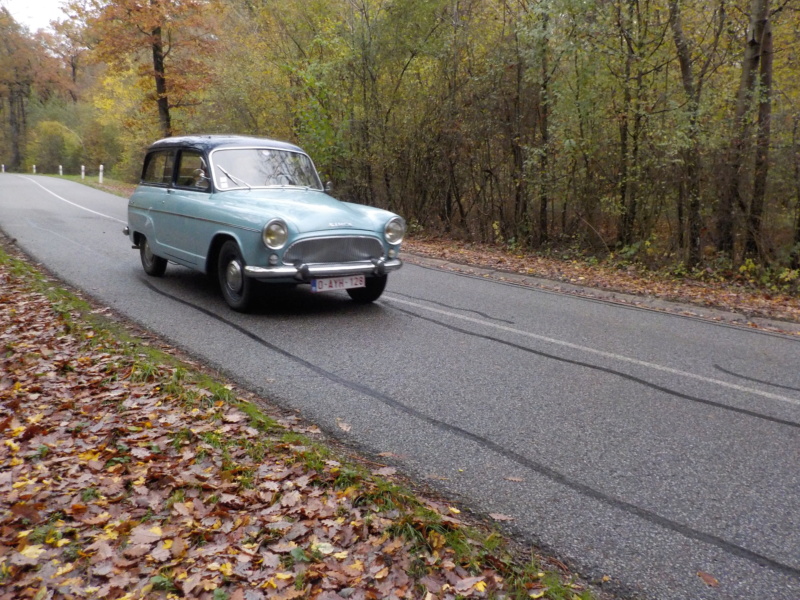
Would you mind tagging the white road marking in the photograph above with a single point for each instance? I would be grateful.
(94, 212)
(604, 354)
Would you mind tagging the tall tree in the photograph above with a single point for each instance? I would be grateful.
(170, 40)
(753, 245)
(731, 198)
(694, 66)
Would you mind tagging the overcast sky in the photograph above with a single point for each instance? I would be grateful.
(35, 14)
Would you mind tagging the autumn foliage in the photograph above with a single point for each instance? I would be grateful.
(126, 478)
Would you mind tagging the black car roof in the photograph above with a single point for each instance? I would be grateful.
(207, 143)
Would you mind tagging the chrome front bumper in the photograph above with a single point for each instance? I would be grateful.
(308, 272)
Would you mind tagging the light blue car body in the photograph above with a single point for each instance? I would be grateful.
(185, 216)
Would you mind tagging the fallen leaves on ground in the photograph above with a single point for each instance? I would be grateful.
(111, 487)
(708, 579)
(724, 295)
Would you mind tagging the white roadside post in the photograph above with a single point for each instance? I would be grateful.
(100, 180)
(83, 172)
(34, 169)
(60, 170)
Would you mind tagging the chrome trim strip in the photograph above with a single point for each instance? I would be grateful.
(201, 219)
(306, 272)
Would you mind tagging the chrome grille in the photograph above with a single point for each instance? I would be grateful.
(333, 250)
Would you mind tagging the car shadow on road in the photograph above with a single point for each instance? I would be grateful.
(284, 300)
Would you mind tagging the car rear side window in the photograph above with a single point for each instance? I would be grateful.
(158, 168)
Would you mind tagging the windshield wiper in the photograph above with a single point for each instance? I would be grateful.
(235, 179)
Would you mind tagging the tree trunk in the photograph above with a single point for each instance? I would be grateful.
(795, 254)
(18, 121)
(753, 244)
(730, 197)
(544, 130)
(691, 156)
(161, 83)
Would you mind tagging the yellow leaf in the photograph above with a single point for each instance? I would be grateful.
(480, 586)
(340, 555)
(284, 576)
(63, 570)
(34, 551)
(89, 455)
(15, 462)
(35, 418)
(17, 431)
(13, 445)
(536, 595)
(156, 531)
(454, 510)
(357, 566)
(382, 573)
(226, 569)
(24, 533)
(167, 544)
(61, 543)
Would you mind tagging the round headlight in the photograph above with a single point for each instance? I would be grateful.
(275, 234)
(395, 230)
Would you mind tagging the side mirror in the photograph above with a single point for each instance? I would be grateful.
(328, 187)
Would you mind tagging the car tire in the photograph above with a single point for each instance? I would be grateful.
(237, 289)
(370, 293)
(153, 265)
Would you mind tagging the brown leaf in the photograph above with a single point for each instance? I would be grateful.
(146, 534)
(385, 472)
(234, 416)
(137, 551)
(708, 579)
(290, 498)
(467, 584)
(141, 453)
(500, 517)
(161, 553)
(178, 548)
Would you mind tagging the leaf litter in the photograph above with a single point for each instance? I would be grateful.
(117, 482)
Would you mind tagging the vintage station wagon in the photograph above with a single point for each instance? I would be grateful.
(249, 209)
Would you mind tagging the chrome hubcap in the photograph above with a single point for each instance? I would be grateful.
(233, 276)
(148, 253)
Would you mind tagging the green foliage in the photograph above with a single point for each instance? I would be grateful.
(559, 126)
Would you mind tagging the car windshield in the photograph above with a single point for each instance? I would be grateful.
(263, 167)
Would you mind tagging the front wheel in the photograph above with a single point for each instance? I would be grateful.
(370, 293)
(153, 265)
(237, 289)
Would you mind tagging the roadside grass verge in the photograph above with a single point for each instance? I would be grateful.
(131, 473)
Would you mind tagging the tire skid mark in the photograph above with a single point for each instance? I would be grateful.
(523, 461)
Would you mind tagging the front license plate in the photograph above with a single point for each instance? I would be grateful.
(330, 284)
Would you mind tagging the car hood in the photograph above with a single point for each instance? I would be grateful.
(304, 210)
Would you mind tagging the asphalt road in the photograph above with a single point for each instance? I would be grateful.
(637, 445)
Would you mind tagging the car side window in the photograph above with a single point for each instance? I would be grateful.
(158, 167)
(192, 172)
